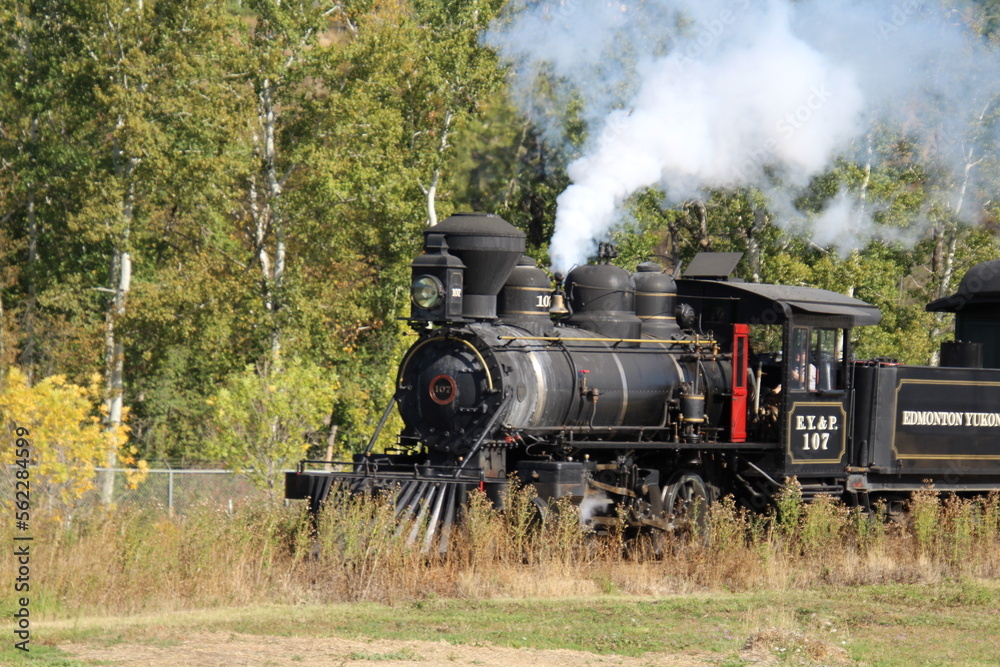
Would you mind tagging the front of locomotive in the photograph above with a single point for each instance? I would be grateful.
(450, 390)
(451, 386)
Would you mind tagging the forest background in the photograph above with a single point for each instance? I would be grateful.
(207, 213)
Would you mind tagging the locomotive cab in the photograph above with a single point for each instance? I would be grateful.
(796, 366)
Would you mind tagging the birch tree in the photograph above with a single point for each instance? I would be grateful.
(281, 41)
(134, 69)
(460, 76)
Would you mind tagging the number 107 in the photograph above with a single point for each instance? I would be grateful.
(812, 442)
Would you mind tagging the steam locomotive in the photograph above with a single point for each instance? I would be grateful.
(646, 397)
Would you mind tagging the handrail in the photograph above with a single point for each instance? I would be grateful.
(696, 341)
(381, 424)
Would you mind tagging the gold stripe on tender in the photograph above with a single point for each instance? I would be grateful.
(529, 289)
(655, 293)
(656, 317)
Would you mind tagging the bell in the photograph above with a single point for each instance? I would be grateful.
(558, 305)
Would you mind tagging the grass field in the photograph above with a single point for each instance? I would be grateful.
(811, 584)
(898, 624)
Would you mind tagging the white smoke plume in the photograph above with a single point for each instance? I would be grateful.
(689, 95)
(593, 504)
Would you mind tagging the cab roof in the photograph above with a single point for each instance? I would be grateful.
(755, 303)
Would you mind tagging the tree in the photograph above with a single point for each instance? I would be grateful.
(138, 71)
(67, 439)
(459, 75)
(48, 316)
(193, 312)
(262, 418)
(281, 40)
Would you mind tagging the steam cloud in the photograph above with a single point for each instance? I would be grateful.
(697, 94)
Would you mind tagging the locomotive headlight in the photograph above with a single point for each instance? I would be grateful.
(427, 292)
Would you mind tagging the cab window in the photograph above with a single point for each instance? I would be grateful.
(802, 370)
(827, 357)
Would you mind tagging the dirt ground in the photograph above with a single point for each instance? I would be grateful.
(213, 648)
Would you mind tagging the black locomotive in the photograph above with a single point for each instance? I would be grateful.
(657, 394)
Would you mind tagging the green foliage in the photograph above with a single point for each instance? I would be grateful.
(925, 512)
(262, 417)
(65, 437)
(988, 22)
(822, 525)
(142, 128)
(789, 508)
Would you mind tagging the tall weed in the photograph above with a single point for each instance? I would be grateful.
(988, 528)
(128, 560)
(868, 529)
(788, 505)
(925, 517)
(960, 517)
(522, 517)
(823, 524)
(560, 536)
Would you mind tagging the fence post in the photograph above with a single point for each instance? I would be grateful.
(170, 492)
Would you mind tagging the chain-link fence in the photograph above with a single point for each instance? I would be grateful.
(175, 490)
(178, 489)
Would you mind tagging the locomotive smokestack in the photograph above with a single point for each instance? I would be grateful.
(490, 248)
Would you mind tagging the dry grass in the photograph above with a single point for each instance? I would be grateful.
(792, 647)
(129, 561)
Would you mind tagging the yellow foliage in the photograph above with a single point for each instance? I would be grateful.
(66, 436)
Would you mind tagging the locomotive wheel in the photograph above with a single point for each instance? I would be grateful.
(686, 500)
